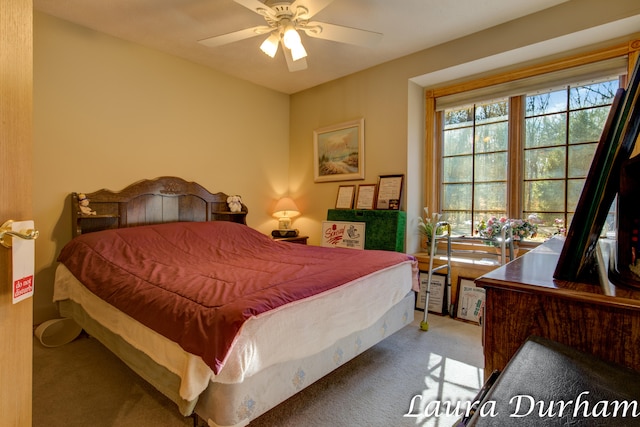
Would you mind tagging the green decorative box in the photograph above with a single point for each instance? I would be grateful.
(384, 229)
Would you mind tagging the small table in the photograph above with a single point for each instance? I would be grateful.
(298, 239)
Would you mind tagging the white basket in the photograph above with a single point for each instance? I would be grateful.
(57, 332)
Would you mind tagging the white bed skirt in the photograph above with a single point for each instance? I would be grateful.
(224, 405)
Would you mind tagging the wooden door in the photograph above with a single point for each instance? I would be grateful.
(16, 320)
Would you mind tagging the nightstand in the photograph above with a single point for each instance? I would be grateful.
(298, 239)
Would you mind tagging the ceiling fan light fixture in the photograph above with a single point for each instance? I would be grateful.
(270, 45)
(284, 21)
(298, 52)
(291, 38)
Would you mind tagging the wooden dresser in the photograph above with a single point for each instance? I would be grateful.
(523, 299)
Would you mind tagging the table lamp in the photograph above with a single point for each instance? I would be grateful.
(284, 210)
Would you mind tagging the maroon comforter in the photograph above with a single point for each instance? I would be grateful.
(196, 283)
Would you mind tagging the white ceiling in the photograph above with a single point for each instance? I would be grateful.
(175, 26)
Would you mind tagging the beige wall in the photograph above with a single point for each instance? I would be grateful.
(390, 102)
(378, 95)
(108, 113)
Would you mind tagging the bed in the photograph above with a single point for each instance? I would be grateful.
(224, 321)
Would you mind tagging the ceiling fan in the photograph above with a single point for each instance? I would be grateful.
(284, 19)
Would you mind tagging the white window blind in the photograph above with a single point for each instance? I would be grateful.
(579, 74)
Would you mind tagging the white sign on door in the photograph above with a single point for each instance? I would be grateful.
(23, 262)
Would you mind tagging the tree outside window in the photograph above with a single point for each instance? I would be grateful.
(561, 129)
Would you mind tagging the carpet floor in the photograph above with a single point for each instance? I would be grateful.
(82, 383)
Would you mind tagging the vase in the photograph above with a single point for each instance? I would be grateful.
(426, 245)
(498, 249)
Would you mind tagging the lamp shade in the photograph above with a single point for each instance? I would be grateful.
(291, 38)
(298, 52)
(285, 208)
(270, 45)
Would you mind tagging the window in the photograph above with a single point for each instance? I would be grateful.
(562, 129)
(474, 163)
(487, 169)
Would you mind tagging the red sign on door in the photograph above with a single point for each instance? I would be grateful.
(22, 287)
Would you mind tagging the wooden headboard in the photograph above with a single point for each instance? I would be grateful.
(160, 200)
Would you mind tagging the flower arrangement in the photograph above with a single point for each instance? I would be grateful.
(491, 229)
(426, 224)
(560, 228)
(522, 229)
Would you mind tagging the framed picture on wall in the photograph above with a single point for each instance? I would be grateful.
(346, 194)
(338, 152)
(470, 301)
(389, 192)
(366, 196)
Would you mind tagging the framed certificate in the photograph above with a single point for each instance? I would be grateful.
(366, 196)
(345, 197)
(437, 295)
(470, 301)
(389, 192)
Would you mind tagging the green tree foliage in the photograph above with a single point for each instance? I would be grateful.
(562, 129)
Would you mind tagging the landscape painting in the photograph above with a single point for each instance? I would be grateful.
(339, 152)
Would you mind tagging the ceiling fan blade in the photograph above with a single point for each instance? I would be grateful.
(299, 65)
(312, 6)
(341, 34)
(258, 7)
(235, 36)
